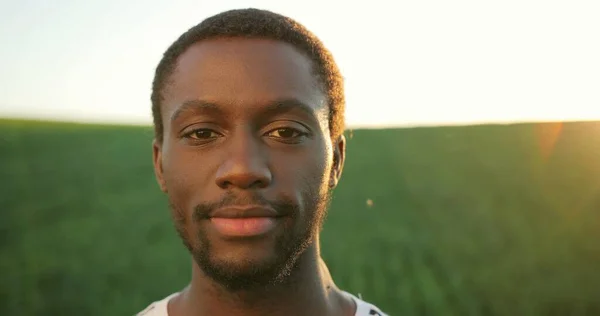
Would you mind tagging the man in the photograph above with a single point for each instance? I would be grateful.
(249, 113)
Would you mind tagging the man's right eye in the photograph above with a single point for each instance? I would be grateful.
(202, 134)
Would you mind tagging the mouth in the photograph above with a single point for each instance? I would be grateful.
(244, 221)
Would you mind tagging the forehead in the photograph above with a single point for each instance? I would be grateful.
(246, 73)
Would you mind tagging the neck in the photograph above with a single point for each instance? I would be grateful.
(309, 290)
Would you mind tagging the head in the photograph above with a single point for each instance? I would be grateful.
(248, 114)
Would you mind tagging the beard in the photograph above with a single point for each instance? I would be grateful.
(244, 274)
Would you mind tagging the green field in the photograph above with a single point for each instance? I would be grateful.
(479, 220)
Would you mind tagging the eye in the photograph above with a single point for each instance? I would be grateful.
(286, 133)
(202, 134)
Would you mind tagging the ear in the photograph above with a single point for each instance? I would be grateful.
(158, 165)
(339, 156)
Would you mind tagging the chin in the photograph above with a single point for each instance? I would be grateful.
(245, 272)
(246, 265)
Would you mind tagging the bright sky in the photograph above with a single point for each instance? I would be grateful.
(405, 62)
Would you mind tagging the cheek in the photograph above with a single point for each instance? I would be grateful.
(183, 177)
(322, 163)
(307, 174)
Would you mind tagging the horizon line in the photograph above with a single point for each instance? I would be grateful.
(134, 123)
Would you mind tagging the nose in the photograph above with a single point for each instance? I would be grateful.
(244, 167)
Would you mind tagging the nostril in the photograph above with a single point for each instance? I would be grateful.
(248, 180)
(260, 184)
(245, 167)
(224, 184)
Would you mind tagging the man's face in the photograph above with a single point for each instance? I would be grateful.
(246, 159)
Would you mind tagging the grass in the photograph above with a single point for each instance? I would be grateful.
(478, 220)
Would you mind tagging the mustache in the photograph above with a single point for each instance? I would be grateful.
(282, 205)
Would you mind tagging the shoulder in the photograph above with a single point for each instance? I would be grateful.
(364, 308)
(157, 308)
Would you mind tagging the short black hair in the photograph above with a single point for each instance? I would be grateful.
(262, 24)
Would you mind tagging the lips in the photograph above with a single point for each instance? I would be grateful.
(244, 211)
(244, 221)
(244, 227)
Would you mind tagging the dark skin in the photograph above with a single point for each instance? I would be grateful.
(246, 118)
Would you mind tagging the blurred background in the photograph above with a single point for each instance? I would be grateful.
(472, 183)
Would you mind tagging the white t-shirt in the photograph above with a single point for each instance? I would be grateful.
(159, 308)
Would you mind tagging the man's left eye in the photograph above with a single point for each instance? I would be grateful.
(285, 133)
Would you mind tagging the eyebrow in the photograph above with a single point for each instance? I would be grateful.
(288, 105)
(196, 105)
(272, 108)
